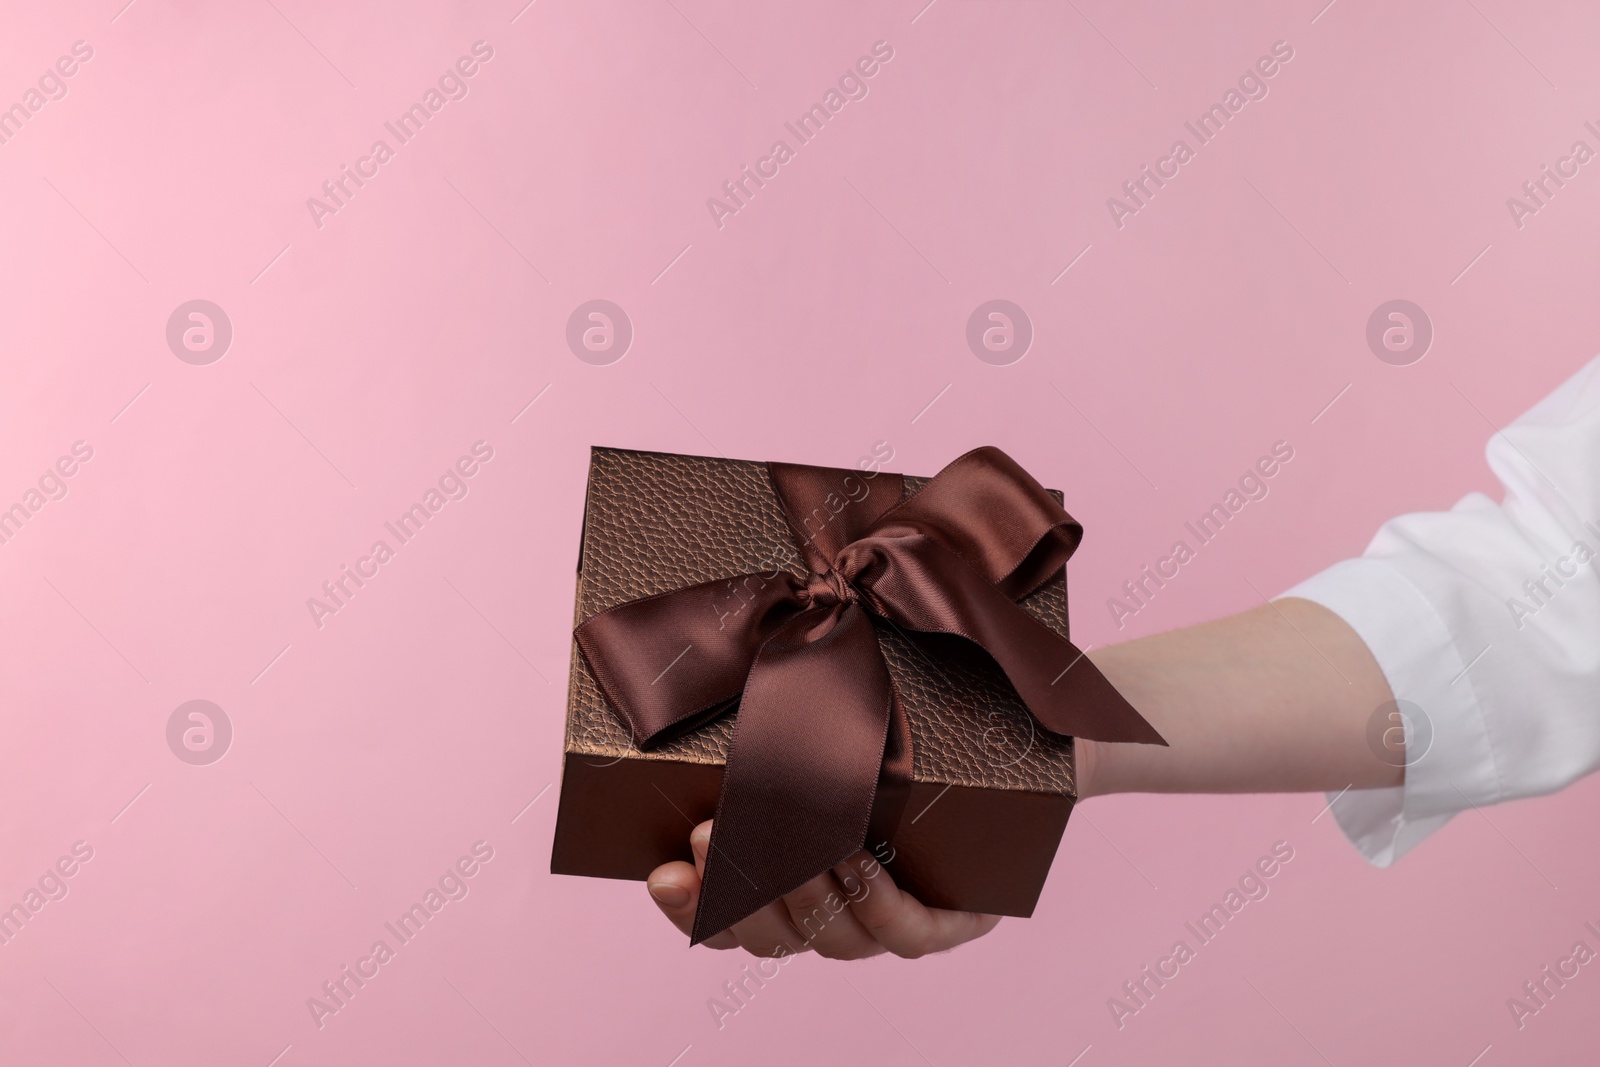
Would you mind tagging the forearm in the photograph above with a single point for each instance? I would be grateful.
(1276, 699)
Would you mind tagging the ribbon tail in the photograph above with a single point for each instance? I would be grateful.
(802, 772)
(923, 585)
(1097, 711)
(894, 785)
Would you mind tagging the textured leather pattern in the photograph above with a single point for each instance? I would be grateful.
(655, 522)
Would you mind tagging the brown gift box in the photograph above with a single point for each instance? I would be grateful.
(990, 792)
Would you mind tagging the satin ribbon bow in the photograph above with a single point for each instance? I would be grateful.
(818, 723)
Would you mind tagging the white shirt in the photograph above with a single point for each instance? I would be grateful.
(1487, 618)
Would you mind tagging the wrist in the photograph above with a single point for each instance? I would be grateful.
(1088, 766)
(1092, 760)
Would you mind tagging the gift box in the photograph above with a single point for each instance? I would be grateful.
(970, 792)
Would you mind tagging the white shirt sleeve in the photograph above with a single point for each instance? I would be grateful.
(1487, 618)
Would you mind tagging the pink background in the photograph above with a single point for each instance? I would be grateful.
(826, 315)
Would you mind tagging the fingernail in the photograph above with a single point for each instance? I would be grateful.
(673, 896)
(700, 844)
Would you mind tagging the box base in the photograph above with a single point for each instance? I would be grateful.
(957, 847)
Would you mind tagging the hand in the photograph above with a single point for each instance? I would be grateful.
(849, 913)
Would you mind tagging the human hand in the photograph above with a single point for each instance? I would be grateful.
(848, 913)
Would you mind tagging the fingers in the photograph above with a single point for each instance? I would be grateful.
(766, 933)
(900, 922)
(851, 912)
(820, 912)
(699, 842)
(769, 933)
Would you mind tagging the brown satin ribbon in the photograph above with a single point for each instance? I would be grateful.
(819, 735)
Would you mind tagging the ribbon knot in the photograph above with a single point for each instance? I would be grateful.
(820, 747)
(830, 588)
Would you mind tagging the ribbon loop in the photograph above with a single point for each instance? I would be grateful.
(820, 735)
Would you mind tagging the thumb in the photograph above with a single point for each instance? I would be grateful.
(675, 887)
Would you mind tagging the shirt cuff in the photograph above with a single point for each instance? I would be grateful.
(1449, 762)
